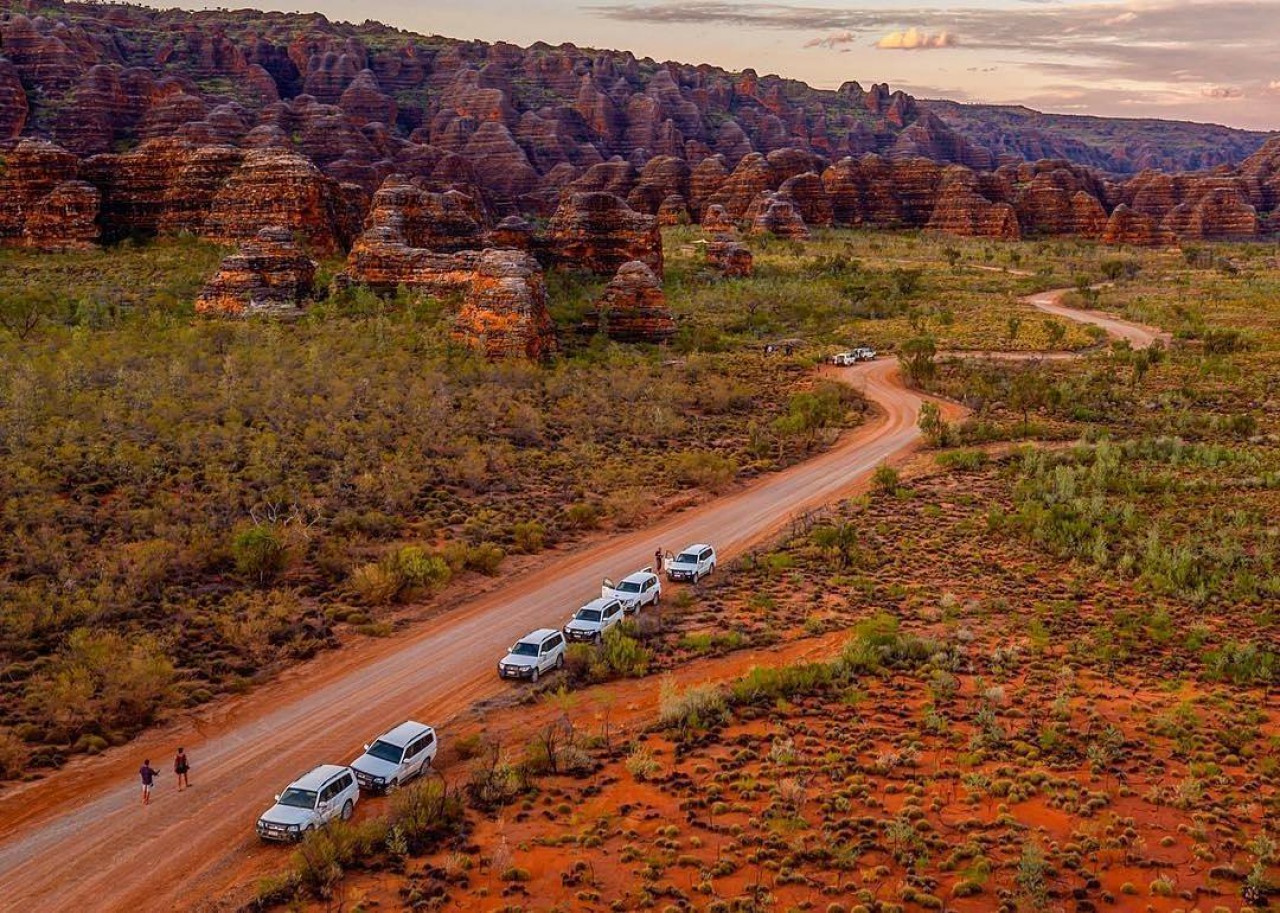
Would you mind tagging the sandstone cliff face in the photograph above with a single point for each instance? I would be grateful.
(599, 232)
(268, 276)
(632, 307)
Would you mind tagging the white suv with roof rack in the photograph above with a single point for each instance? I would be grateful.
(396, 757)
(595, 618)
(529, 657)
(313, 800)
(693, 563)
(635, 590)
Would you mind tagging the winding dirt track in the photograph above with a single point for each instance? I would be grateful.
(77, 840)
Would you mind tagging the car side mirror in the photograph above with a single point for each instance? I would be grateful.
(366, 748)
(277, 797)
(607, 583)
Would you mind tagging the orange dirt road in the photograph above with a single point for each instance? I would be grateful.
(79, 839)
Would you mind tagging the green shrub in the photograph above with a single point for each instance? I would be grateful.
(260, 553)
(885, 478)
(424, 813)
(703, 469)
(696, 707)
(529, 536)
(13, 755)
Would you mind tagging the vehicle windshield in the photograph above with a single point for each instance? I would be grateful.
(385, 751)
(687, 558)
(524, 649)
(629, 586)
(588, 615)
(298, 798)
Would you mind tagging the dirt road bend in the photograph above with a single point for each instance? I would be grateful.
(79, 840)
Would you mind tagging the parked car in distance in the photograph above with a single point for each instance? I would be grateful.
(853, 356)
(396, 757)
(529, 657)
(635, 590)
(311, 801)
(591, 621)
(692, 564)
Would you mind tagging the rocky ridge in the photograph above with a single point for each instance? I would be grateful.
(120, 121)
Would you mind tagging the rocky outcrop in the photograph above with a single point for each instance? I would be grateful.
(1088, 218)
(504, 313)
(599, 232)
(268, 276)
(504, 304)
(730, 258)
(1220, 215)
(286, 190)
(632, 307)
(43, 204)
(775, 214)
(170, 113)
(427, 219)
(752, 177)
(673, 211)
(13, 103)
(717, 222)
(961, 210)
(810, 197)
(1127, 226)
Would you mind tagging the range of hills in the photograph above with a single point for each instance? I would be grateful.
(1119, 145)
(123, 121)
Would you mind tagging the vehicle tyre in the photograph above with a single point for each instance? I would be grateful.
(394, 784)
(560, 658)
(657, 599)
(348, 810)
(533, 679)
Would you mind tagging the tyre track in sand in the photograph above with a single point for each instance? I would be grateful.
(78, 839)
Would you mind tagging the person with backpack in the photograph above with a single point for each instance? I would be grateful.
(180, 768)
(148, 775)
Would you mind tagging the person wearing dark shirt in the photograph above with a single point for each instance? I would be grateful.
(180, 768)
(148, 775)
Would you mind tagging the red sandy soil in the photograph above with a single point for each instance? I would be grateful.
(79, 840)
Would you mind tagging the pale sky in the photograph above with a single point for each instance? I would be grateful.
(1205, 60)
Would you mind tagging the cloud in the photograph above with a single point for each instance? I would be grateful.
(1222, 92)
(832, 41)
(914, 39)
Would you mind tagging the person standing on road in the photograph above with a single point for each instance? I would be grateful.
(657, 561)
(180, 768)
(148, 775)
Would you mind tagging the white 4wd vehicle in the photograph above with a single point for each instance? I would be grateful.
(396, 757)
(531, 656)
(311, 801)
(591, 621)
(844, 359)
(635, 590)
(864, 353)
(692, 564)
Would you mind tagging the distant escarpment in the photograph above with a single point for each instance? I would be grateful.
(120, 122)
